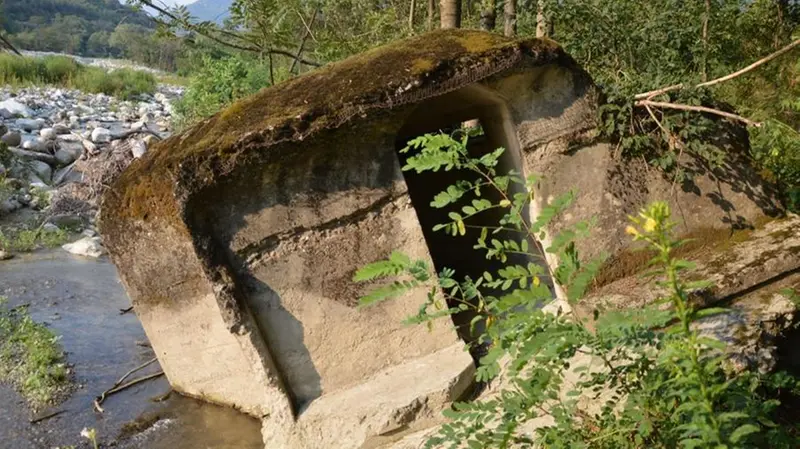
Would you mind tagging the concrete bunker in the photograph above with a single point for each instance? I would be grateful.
(237, 240)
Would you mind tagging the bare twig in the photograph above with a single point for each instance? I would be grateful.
(303, 41)
(118, 386)
(126, 310)
(247, 46)
(163, 397)
(760, 62)
(686, 107)
(308, 28)
(8, 45)
(47, 416)
(133, 132)
(134, 382)
(670, 139)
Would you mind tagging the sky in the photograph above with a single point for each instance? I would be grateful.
(177, 2)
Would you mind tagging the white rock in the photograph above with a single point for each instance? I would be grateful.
(138, 125)
(138, 148)
(34, 145)
(101, 135)
(89, 232)
(30, 124)
(48, 133)
(87, 246)
(16, 108)
(149, 140)
(50, 227)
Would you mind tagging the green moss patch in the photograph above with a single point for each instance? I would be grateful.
(403, 72)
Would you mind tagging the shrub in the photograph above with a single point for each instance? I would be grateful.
(64, 71)
(220, 82)
(653, 380)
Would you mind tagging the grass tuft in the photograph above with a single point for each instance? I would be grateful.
(30, 357)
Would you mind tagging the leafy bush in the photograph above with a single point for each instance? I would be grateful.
(218, 83)
(643, 378)
(64, 71)
(631, 47)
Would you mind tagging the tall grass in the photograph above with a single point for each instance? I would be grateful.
(65, 72)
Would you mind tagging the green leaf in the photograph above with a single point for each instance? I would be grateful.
(743, 431)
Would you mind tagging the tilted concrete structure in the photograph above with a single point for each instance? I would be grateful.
(238, 239)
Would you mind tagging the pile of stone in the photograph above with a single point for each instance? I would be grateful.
(57, 142)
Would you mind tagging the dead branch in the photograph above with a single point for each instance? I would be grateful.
(46, 416)
(134, 132)
(653, 93)
(118, 386)
(25, 154)
(303, 41)
(163, 397)
(308, 28)
(251, 47)
(134, 382)
(686, 107)
(9, 45)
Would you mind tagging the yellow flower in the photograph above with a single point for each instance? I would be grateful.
(650, 225)
(631, 230)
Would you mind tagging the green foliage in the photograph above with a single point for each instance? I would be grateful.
(642, 378)
(123, 83)
(632, 47)
(64, 71)
(30, 356)
(218, 83)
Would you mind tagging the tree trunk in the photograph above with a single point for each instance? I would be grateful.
(488, 14)
(450, 11)
(706, 19)
(510, 18)
(431, 11)
(780, 32)
(542, 27)
(411, 16)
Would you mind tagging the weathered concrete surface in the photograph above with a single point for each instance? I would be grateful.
(237, 240)
(556, 130)
(748, 275)
(366, 417)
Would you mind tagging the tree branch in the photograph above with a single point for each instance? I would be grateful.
(252, 47)
(8, 45)
(686, 107)
(303, 41)
(653, 93)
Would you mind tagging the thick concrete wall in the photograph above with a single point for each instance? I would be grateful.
(297, 230)
(178, 307)
(554, 111)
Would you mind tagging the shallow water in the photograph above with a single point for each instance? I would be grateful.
(80, 299)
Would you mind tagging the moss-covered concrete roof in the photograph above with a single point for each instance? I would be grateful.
(400, 73)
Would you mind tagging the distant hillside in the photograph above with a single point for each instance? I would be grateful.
(81, 27)
(210, 10)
